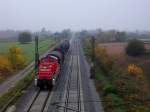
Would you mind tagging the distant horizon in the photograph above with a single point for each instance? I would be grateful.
(56, 15)
(21, 30)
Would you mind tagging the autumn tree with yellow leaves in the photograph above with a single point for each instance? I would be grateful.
(12, 61)
(17, 58)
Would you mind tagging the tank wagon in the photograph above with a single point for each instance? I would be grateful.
(49, 67)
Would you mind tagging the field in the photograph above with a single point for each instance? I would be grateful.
(118, 50)
(114, 48)
(28, 49)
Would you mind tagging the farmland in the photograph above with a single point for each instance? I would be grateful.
(118, 50)
(28, 49)
(114, 48)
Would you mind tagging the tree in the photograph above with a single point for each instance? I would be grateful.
(84, 34)
(17, 58)
(24, 37)
(106, 36)
(135, 47)
(66, 33)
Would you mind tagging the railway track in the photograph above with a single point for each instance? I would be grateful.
(59, 90)
(71, 97)
(66, 96)
(73, 100)
(39, 102)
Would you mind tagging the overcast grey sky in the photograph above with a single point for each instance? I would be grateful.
(75, 14)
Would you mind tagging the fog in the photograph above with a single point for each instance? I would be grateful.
(56, 15)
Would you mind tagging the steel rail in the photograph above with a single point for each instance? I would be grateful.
(37, 94)
(68, 86)
(78, 83)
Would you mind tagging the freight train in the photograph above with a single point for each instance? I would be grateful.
(49, 67)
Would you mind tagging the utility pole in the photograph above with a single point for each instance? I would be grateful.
(36, 55)
(93, 58)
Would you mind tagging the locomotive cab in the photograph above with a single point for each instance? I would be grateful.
(48, 71)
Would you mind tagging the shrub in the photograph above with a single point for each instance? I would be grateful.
(109, 89)
(134, 69)
(5, 65)
(135, 48)
(113, 103)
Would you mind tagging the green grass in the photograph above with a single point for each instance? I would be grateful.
(28, 49)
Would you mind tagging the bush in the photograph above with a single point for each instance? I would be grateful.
(113, 103)
(109, 89)
(134, 69)
(135, 48)
(5, 65)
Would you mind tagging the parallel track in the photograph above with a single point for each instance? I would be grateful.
(73, 100)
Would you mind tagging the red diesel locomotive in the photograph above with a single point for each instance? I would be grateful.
(49, 67)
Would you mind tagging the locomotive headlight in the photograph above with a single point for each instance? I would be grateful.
(35, 81)
(54, 81)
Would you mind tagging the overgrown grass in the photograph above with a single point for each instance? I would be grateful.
(16, 91)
